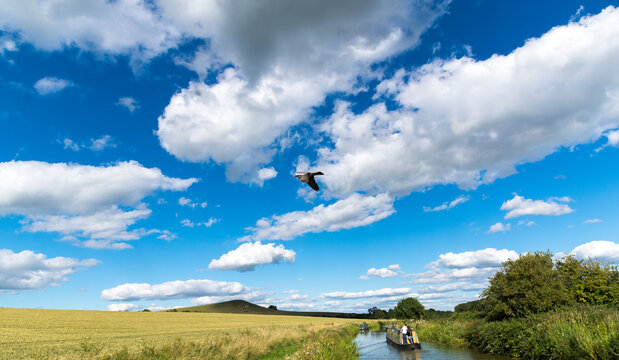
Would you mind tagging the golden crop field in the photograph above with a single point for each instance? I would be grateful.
(70, 334)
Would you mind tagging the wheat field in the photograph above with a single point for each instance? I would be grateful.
(71, 334)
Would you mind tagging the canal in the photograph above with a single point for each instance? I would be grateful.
(372, 346)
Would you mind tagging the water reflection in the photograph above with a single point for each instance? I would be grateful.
(373, 346)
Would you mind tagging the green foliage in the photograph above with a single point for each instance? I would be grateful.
(589, 281)
(409, 308)
(479, 306)
(525, 286)
(376, 313)
(431, 314)
(272, 307)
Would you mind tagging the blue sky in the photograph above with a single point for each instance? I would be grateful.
(149, 147)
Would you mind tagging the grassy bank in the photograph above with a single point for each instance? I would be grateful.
(576, 333)
(66, 334)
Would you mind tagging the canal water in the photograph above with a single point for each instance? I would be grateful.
(373, 346)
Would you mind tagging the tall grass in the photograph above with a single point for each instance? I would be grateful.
(446, 332)
(584, 332)
(330, 344)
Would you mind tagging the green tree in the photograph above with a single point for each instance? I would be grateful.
(589, 281)
(525, 286)
(272, 307)
(409, 308)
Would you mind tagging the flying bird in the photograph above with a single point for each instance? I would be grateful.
(308, 178)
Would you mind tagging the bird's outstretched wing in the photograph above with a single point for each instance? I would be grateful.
(317, 173)
(312, 183)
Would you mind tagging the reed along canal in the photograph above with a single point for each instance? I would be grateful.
(373, 346)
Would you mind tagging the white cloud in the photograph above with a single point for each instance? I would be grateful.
(105, 229)
(50, 85)
(7, 45)
(613, 138)
(519, 206)
(130, 27)
(489, 257)
(366, 294)
(265, 174)
(129, 103)
(249, 255)
(592, 221)
(499, 227)
(210, 222)
(600, 250)
(105, 141)
(463, 286)
(80, 201)
(555, 91)
(183, 201)
(238, 120)
(394, 267)
(123, 307)
(290, 291)
(448, 205)
(438, 276)
(101, 143)
(173, 290)
(34, 187)
(29, 270)
(381, 273)
(354, 211)
(70, 144)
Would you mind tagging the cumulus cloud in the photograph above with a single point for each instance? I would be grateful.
(519, 206)
(105, 229)
(437, 276)
(249, 255)
(462, 286)
(92, 206)
(366, 294)
(173, 290)
(499, 227)
(50, 85)
(122, 27)
(237, 120)
(384, 272)
(354, 211)
(27, 270)
(557, 90)
(600, 250)
(613, 138)
(265, 174)
(448, 205)
(489, 257)
(129, 103)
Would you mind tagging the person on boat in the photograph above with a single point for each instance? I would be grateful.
(409, 333)
(403, 332)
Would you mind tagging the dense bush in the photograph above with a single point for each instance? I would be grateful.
(525, 286)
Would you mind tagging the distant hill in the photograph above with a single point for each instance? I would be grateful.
(244, 307)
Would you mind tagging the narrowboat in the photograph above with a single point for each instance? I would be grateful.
(395, 338)
(364, 327)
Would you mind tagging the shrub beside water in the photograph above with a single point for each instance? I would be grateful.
(583, 332)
